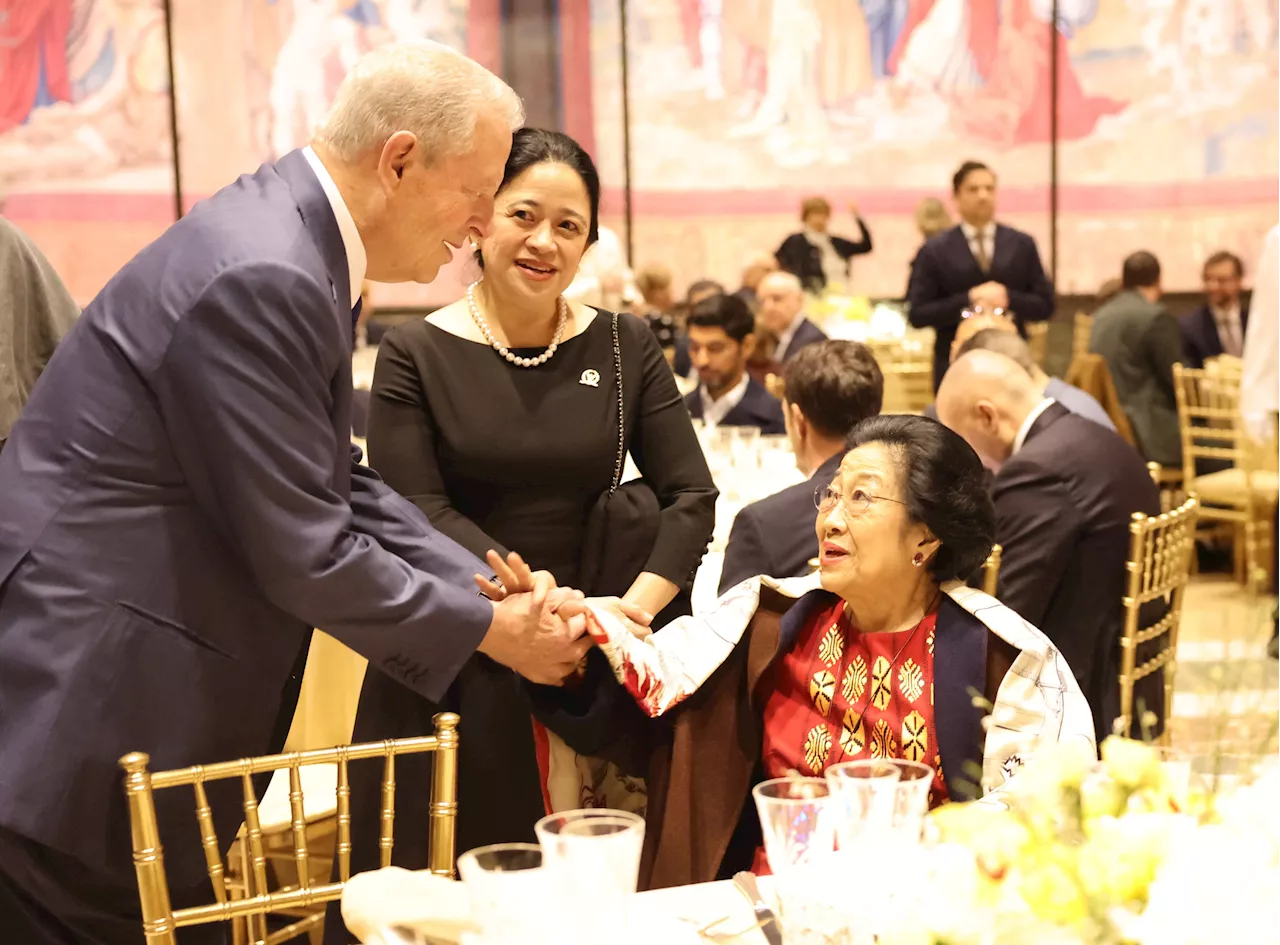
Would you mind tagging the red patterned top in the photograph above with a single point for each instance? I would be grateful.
(843, 695)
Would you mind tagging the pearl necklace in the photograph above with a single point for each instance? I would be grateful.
(562, 307)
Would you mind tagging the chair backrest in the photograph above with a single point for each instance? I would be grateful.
(907, 367)
(160, 920)
(1090, 373)
(1209, 419)
(1080, 331)
(1037, 341)
(991, 571)
(1158, 567)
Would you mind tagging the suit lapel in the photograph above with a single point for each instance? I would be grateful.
(960, 662)
(317, 215)
(1002, 252)
(959, 249)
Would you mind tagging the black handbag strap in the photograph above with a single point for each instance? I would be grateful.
(622, 435)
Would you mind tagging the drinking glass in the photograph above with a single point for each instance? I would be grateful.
(594, 855)
(911, 800)
(867, 799)
(796, 822)
(511, 894)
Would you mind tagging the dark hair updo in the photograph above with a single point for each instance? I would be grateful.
(944, 487)
(531, 146)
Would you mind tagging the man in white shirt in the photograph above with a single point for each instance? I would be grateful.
(1065, 490)
(721, 333)
(1259, 397)
(782, 312)
(1218, 327)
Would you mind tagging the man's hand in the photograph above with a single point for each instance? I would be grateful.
(538, 635)
(989, 295)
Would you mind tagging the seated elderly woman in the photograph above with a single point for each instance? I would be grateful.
(879, 655)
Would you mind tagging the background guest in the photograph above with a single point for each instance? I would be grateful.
(1065, 490)
(831, 387)
(813, 255)
(1219, 326)
(979, 262)
(782, 301)
(35, 312)
(1006, 341)
(702, 289)
(654, 284)
(508, 455)
(1141, 343)
(722, 337)
(757, 266)
(932, 218)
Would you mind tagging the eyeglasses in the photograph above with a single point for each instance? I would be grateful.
(856, 503)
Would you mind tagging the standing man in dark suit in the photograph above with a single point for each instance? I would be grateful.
(1141, 343)
(978, 263)
(831, 387)
(782, 312)
(1064, 491)
(1218, 326)
(180, 503)
(722, 337)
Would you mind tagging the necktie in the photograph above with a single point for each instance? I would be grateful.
(980, 243)
(1227, 333)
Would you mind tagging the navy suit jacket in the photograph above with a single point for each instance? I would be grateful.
(179, 505)
(776, 536)
(758, 408)
(807, 333)
(945, 270)
(1200, 339)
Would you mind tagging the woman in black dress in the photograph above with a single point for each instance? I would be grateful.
(497, 416)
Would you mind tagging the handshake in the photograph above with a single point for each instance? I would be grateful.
(539, 629)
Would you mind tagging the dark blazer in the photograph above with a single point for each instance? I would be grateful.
(758, 408)
(775, 536)
(803, 260)
(1063, 506)
(807, 333)
(702, 759)
(945, 270)
(1200, 339)
(180, 505)
(1141, 343)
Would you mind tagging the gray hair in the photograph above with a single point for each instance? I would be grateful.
(783, 278)
(422, 87)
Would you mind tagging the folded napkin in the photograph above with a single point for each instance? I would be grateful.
(436, 908)
(666, 668)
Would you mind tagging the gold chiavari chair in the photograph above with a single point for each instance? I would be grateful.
(1244, 494)
(1038, 341)
(991, 571)
(1161, 549)
(907, 367)
(1080, 331)
(160, 921)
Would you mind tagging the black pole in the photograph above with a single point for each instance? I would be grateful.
(173, 110)
(1053, 142)
(626, 131)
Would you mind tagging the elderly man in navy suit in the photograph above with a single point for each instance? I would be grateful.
(980, 263)
(782, 312)
(1217, 327)
(180, 505)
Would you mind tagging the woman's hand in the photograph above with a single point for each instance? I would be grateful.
(514, 576)
(632, 616)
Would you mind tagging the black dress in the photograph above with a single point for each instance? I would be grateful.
(512, 458)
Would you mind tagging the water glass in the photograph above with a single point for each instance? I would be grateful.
(594, 855)
(511, 894)
(867, 800)
(911, 800)
(797, 824)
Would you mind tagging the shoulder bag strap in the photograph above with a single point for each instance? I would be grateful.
(622, 434)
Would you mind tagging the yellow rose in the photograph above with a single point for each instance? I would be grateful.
(1131, 764)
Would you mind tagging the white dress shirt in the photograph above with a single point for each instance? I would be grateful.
(1227, 321)
(981, 241)
(357, 260)
(785, 339)
(714, 411)
(1259, 394)
(833, 267)
(1027, 423)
